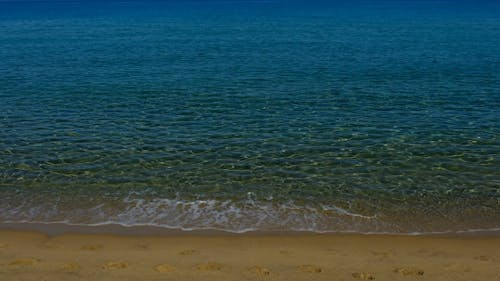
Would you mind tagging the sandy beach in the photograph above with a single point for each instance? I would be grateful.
(237, 140)
(28, 255)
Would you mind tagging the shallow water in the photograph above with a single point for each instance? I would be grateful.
(251, 115)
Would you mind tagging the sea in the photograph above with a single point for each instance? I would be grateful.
(259, 115)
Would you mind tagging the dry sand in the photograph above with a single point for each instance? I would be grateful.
(26, 255)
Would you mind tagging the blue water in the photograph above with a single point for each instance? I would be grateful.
(373, 116)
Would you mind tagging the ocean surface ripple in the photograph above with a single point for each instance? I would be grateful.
(251, 115)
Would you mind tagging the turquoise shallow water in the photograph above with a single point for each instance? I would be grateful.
(367, 117)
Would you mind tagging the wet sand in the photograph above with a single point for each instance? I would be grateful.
(28, 255)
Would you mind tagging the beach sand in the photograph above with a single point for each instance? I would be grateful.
(27, 255)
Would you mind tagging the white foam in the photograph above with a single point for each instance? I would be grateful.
(226, 215)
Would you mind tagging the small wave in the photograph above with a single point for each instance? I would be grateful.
(221, 215)
(495, 230)
(226, 215)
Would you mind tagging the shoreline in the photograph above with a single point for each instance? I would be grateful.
(59, 228)
(29, 255)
